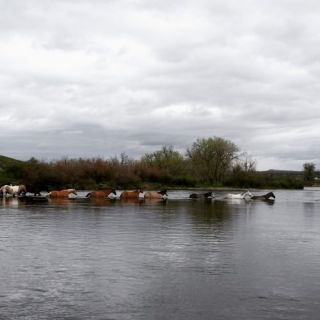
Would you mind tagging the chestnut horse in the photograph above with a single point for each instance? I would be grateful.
(13, 190)
(101, 194)
(156, 195)
(125, 195)
(62, 193)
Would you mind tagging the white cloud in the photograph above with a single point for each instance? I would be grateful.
(96, 78)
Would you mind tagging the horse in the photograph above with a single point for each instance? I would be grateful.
(266, 196)
(125, 195)
(15, 190)
(206, 195)
(244, 195)
(102, 194)
(35, 190)
(33, 198)
(156, 195)
(62, 194)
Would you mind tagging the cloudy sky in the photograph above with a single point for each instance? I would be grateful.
(88, 78)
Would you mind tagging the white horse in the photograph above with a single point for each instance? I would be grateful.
(12, 190)
(244, 195)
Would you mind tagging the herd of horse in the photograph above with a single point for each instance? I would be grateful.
(247, 195)
(21, 191)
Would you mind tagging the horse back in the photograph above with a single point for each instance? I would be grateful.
(100, 194)
(153, 195)
(129, 195)
(59, 194)
(15, 189)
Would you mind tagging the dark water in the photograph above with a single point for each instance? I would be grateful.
(182, 259)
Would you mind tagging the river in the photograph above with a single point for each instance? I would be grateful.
(179, 259)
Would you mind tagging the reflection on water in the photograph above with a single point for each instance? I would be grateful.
(174, 259)
(10, 202)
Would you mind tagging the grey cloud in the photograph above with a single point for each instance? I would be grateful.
(86, 78)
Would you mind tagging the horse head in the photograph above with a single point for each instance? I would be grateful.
(270, 195)
(208, 194)
(70, 191)
(22, 189)
(163, 192)
(247, 194)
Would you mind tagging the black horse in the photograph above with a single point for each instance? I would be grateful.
(207, 195)
(267, 196)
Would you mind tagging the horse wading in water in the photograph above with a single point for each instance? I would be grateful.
(206, 195)
(125, 195)
(244, 195)
(267, 196)
(102, 194)
(156, 195)
(62, 194)
(13, 190)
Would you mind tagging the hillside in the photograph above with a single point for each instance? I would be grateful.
(281, 173)
(5, 163)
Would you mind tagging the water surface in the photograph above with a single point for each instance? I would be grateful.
(182, 259)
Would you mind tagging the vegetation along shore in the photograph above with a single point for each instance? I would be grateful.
(207, 163)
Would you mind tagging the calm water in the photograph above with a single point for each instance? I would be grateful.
(180, 260)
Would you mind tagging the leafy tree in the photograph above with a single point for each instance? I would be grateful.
(166, 159)
(212, 158)
(309, 169)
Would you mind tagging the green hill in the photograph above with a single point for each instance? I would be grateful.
(6, 164)
(5, 161)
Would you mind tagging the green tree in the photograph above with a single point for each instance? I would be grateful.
(212, 158)
(309, 169)
(166, 159)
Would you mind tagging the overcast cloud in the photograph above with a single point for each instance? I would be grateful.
(99, 77)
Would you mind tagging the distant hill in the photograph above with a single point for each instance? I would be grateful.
(297, 175)
(5, 163)
(281, 173)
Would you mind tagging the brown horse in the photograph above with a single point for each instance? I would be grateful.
(62, 194)
(13, 190)
(101, 194)
(125, 195)
(267, 196)
(156, 195)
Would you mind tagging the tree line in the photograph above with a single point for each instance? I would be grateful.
(208, 162)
